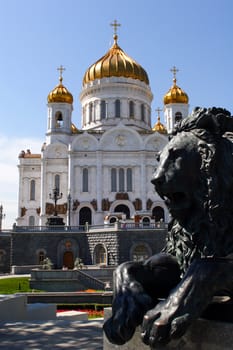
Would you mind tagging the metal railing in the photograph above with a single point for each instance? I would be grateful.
(90, 281)
(79, 228)
(117, 226)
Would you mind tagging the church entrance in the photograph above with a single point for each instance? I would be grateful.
(121, 208)
(68, 260)
(85, 216)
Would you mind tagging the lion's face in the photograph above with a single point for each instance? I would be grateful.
(178, 174)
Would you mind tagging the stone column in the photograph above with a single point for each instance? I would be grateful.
(70, 186)
(99, 176)
(142, 180)
(43, 194)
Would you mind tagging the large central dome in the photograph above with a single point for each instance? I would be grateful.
(115, 63)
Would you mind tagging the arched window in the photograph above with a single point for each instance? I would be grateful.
(121, 180)
(57, 182)
(84, 115)
(112, 220)
(146, 221)
(2, 256)
(85, 215)
(100, 255)
(102, 109)
(41, 257)
(85, 180)
(31, 220)
(129, 180)
(131, 109)
(178, 117)
(59, 119)
(142, 112)
(140, 253)
(32, 190)
(158, 214)
(90, 112)
(117, 108)
(113, 180)
(122, 208)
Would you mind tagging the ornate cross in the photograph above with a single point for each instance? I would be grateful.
(115, 25)
(61, 70)
(174, 70)
(158, 110)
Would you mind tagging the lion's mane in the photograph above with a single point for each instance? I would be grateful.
(209, 232)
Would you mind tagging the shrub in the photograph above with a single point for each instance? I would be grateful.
(47, 264)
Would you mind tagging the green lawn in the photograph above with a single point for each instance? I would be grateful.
(21, 284)
(14, 285)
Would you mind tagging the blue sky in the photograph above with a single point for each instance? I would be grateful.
(38, 36)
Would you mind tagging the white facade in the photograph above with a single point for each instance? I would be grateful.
(174, 112)
(106, 167)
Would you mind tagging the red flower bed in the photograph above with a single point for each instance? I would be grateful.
(91, 313)
(94, 313)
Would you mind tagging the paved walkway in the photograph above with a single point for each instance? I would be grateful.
(52, 335)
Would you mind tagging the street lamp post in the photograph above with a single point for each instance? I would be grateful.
(55, 220)
(55, 196)
(2, 216)
(69, 207)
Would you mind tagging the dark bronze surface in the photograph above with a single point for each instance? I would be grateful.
(168, 291)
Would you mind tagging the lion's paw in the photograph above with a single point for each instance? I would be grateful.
(128, 311)
(160, 326)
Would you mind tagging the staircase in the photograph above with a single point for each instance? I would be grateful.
(90, 282)
(71, 280)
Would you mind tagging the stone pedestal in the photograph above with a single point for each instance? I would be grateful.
(55, 221)
(202, 335)
(14, 308)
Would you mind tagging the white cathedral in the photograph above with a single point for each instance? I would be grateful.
(101, 172)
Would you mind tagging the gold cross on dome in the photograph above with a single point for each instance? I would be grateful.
(115, 25)
(174, 70)
(61, 70)
(158, 110)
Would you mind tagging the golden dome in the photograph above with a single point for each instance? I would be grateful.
(74, 129)
(60, 94)
(175, 95)
(159, 127)
(115, 63)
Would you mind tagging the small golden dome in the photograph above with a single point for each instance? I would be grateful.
(115, 63)
(74, 129)
(175, 95)
(60, 94)
(159, 127)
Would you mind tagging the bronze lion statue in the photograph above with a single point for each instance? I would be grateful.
(168, 291)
